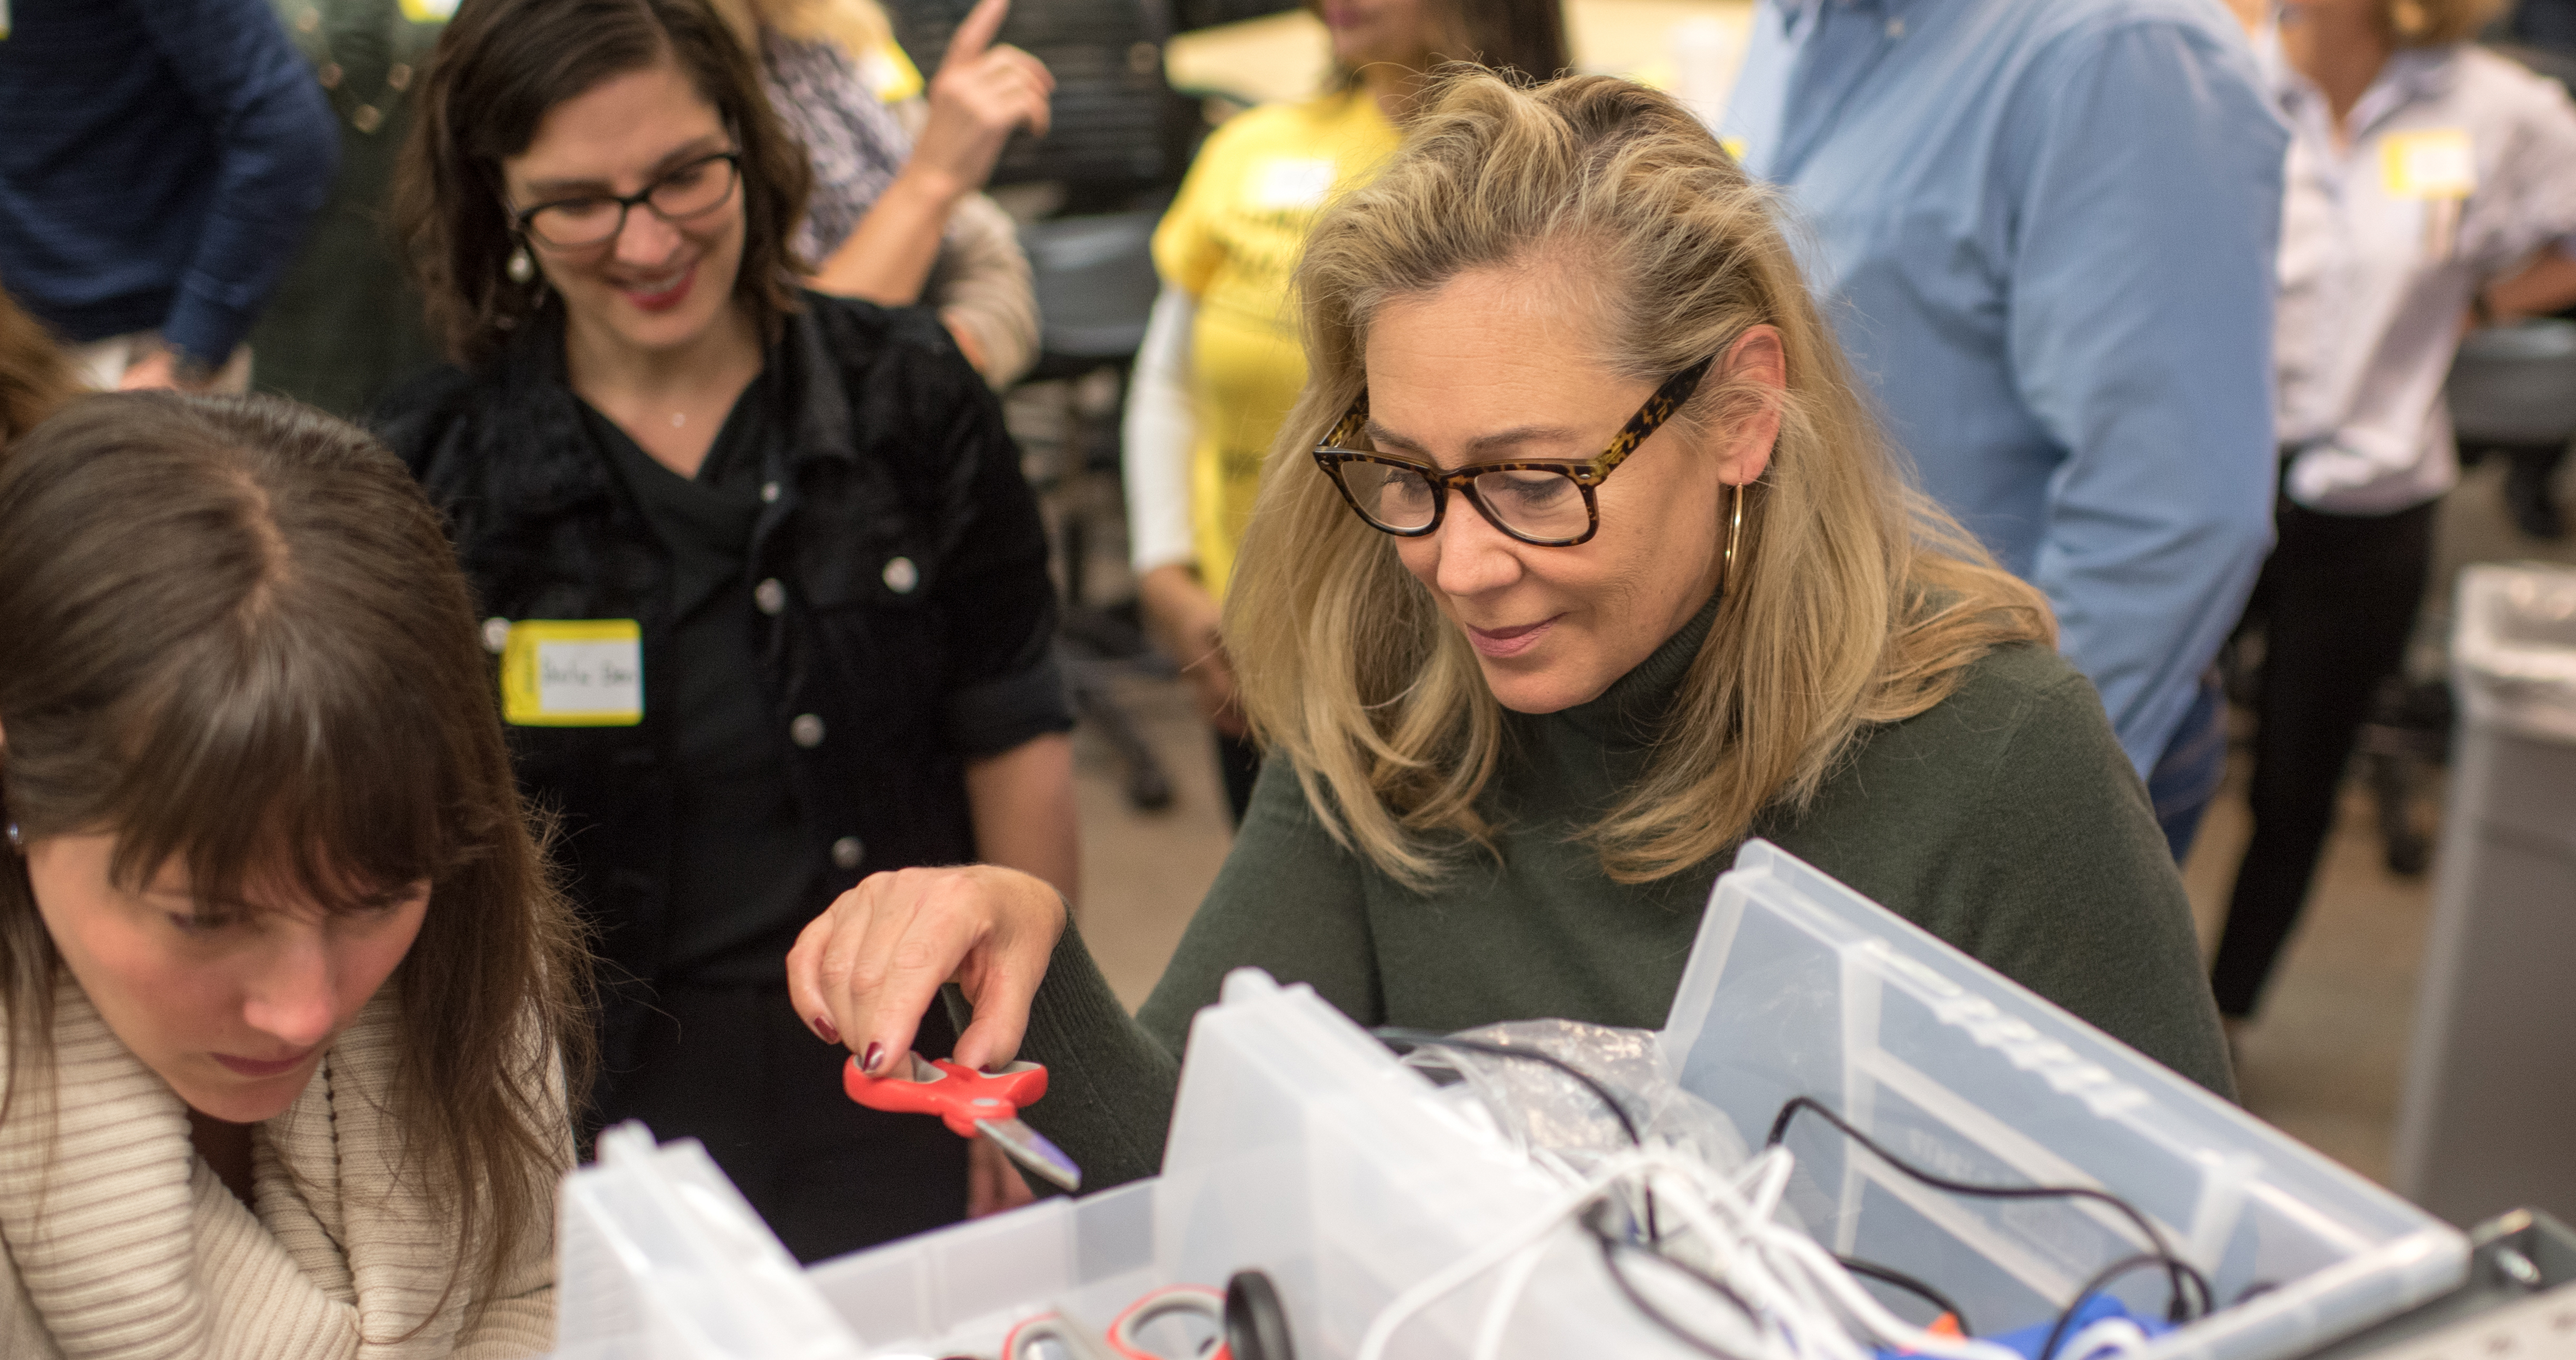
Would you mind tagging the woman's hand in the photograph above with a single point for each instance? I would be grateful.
(982, 94)
(864, 971)
(1183, 618)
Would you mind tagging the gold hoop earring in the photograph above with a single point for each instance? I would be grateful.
(1734, 537)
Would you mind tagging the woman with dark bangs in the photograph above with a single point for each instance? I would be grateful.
(289, 997)
(786, 536)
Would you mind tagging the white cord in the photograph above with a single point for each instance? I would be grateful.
(1431, 1288)
(1805, 1305)
(1507, 1297)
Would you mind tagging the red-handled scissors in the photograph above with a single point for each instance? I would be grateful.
(970, 1102)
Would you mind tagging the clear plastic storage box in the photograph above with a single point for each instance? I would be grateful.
(1799, 986)
(1301, 1146)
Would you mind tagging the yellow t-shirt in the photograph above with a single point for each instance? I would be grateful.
(1232, 240)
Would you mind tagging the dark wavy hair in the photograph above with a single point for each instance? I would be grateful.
(233, 635)
(499, 67)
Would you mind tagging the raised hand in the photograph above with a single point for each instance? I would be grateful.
(983, 92)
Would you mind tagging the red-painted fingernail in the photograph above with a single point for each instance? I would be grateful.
(868, 1060)
(825, 1030)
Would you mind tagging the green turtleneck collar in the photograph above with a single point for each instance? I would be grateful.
(1628, 712)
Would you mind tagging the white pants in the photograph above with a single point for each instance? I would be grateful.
(102, 363)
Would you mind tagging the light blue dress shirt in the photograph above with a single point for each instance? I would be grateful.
(2045, 231)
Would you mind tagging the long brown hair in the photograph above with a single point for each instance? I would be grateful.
(499, 67)
(35, 376)
(232, 633)
(1852, 599)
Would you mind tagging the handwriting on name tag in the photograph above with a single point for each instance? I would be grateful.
(573, 673)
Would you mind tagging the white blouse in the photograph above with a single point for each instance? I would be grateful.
(2462, 165)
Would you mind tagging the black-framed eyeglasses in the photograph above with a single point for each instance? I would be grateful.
(692, 190)
(1544, 502)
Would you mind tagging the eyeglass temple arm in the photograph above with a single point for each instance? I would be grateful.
(1349, 424)
(1650, 417)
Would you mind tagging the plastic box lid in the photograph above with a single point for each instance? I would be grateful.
(1800, 986)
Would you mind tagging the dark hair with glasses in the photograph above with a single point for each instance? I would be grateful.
(688, 191)
(499, 68)
(1546, 502)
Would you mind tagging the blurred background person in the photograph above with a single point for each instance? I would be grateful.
(35, 376)
(897, 214)
(2421, 168)
(1220, 364)
(2048, 228)
(795, 522)
(159, 164)
(345, 325)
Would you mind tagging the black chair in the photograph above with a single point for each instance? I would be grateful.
(1207, 13)
(2512, 389)
(1096, 285)
(1117, 144)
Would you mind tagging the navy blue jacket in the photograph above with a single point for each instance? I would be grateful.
(160, 161)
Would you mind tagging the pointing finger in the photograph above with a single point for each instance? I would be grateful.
(976, 34)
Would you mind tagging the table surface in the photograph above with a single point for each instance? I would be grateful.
(1286, 56)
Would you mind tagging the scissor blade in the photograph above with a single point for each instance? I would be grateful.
(1031, 1149)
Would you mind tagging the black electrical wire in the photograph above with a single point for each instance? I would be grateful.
(2178, 1270)
(1407, 1039)
(1256, 1323)
(1910, 1285)
(1612, 1244)
(2102, 1278)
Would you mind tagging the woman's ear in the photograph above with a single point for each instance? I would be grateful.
(1756, 366)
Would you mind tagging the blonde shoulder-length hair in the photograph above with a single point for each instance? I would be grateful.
(1852, 599)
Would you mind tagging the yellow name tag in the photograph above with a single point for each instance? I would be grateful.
(573, 673)
(2432, 164)
(429, 11)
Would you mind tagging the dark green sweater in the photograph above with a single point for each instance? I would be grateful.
(2004, 820)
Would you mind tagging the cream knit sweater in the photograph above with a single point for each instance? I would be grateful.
(122, 1243)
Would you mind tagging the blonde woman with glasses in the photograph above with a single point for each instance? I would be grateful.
(1579, 562)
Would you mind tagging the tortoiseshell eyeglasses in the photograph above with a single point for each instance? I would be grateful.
(1546, 502)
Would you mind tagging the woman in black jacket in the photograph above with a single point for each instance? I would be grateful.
(766, 592)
